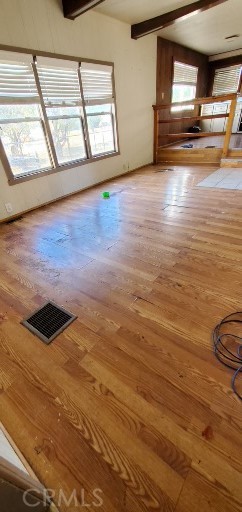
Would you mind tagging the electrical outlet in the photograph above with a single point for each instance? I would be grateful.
(9, 207)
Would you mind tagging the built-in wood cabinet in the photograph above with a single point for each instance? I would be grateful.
(206, 124)
(237, 118)
(219, 125)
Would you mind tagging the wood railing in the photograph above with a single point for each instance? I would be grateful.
(187, 135)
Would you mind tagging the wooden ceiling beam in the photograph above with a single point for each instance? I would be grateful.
(169, 18)
(74, 8)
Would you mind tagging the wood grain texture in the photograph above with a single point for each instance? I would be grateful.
(74, 8)
(120, 400)
(167, 53)
(170, 18)
(217, 142)
(174, 153)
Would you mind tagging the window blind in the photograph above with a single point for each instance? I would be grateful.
(184, 74)
(97, 82)
(59, 81)
(17, 81)
(226, 80)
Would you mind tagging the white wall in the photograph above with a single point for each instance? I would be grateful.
(40, 25)
(8, 453)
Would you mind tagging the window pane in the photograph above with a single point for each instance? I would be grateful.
(63, 111)
(183, 93)
(101, 135)
(96, 109)
(68, 139)
(19, 111)
(25, 147)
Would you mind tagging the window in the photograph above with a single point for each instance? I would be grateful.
(100, 127)
(184, 85)
(60, 88)
(99, 102)
(226, 80)
(22, 130)
(54, 113)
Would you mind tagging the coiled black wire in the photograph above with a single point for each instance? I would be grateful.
(228, 358)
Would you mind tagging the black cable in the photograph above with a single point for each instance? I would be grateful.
(228, 358)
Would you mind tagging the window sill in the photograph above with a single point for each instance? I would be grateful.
(77, 163)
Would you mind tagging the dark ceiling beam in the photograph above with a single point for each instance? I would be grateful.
(169, 18)
(74, 8)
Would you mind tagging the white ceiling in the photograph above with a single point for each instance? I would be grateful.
(204, 32)
(134, 11)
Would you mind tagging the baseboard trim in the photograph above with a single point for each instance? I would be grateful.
(20, 213)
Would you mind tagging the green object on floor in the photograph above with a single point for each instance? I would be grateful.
(106, 195)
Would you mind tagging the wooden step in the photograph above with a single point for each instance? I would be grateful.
(190, 156)
(231, 162)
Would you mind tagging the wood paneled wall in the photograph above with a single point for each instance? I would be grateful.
(167, 53)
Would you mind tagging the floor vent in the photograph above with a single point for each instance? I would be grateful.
(48, 321)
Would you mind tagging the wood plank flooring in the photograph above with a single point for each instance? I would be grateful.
(174, 154)
(216, 141)
(115, 408)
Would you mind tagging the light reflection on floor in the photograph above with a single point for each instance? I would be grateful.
(68, 238)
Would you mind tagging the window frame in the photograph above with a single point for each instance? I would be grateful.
(43, 128)
(112, 116)
(12, 180)
(66, 117)
(187, 108)
(225, 69)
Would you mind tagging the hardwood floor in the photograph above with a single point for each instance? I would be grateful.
(174, 154)
(217, 142)
(120, 401)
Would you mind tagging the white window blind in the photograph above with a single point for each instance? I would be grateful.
(184, 74)
(54, 112)
(17, 82)
(226, 80)
(59, 81)
(97, 83)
